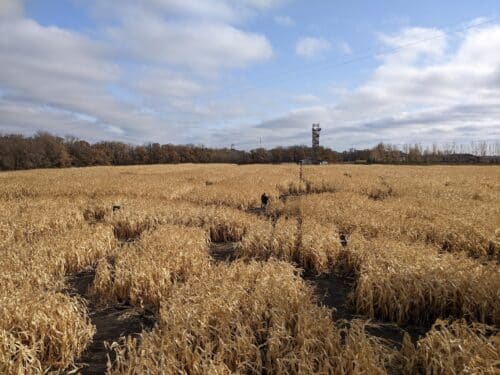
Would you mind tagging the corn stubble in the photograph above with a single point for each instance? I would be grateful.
(424, 247)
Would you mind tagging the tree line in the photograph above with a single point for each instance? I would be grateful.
(44, 150)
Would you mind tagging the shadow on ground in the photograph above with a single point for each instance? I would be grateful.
(223, 251)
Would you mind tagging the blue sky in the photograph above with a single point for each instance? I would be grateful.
(220, 72)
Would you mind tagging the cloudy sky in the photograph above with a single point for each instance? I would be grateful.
(221, 72)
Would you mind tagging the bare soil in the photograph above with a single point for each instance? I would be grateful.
(285, 197)
(259, 211)
(333, 291)
(223, 251)
(111, 322)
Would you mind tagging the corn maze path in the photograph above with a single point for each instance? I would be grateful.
(332, 291)
(111, 322)
(122, 319)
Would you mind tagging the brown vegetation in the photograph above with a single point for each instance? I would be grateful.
(422, 248)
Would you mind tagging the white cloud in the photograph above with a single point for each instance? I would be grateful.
(26, 118)
(413, 42)
(425, 92)
(194, 9)
(26, 45)
(214, 9)
(344, 47)
(265, 4)
(11, 8)
(309, 47)
(437, 85)
(203, 36)
(284, 21)
(162, 85)
(205, 47)
(51, 77)
(306, 99)
(227, 11)
(63, 81)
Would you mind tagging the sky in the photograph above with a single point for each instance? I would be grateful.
(252, 73)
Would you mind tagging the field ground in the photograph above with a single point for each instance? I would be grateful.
(187, 274)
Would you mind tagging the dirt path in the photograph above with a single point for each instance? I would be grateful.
(333, 291)
(259, 211)
(223, 251)
(111, 321)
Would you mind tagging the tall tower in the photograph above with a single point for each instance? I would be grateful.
(315, 142)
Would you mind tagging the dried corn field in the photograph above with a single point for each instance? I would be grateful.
(178, 270)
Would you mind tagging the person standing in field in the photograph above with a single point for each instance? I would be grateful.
(264, 200)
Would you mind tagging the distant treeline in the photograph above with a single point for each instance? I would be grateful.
(44, 150)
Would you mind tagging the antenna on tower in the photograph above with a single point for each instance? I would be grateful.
(315, 142)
